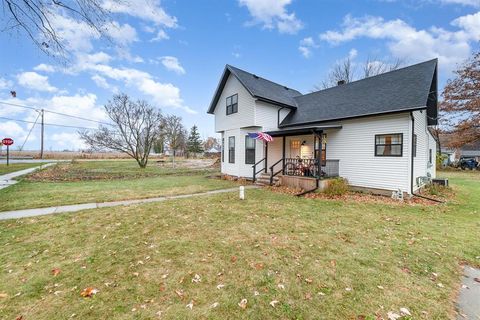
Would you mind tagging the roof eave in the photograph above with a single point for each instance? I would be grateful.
(281, 125)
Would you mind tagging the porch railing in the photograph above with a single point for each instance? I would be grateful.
(309, 168)
(263, 168)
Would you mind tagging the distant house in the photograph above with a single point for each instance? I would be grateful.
(471, 150)
(373, 132)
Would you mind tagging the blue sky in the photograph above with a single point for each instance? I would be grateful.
(172, 53)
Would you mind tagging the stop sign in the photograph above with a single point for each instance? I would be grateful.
(7, 141)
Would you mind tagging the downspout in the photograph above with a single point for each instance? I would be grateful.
(412, 164)
(278, 116)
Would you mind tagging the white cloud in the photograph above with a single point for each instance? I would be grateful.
(5, 84)
(409, 43)
(44, 67)
(13, 130)
(102, 83)
(172, 64)
(122, 34)
(352, 54)
(35, 81)
(470, 23)
(161, 35)
(473, 3)
(67, 140)
(273, 14)
(162, 94)
(306, 46)
(149, 10)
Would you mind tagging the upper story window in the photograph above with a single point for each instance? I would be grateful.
(389, 145)
(232, 104)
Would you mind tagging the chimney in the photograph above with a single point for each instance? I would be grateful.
(340, 82)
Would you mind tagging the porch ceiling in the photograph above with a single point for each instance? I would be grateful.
(303, 130)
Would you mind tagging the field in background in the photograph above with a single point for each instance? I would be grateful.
(68, 155)
(289, 257)
(109, 180)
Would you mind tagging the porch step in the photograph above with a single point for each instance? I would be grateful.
(263, 179)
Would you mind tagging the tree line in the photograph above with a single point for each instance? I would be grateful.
(139, 128)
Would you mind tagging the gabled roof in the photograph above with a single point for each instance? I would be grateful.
(258, 87)
(406, 89)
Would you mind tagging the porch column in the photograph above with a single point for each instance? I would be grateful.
(319, 157)
(266, 156)
(283, 155)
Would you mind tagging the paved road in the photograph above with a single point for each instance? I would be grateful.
(8, 179)
(77, 207)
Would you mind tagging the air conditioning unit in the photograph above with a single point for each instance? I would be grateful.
(442, 182)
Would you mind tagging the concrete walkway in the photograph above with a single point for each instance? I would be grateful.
(8, 179)
(15, 214)
(468, 303)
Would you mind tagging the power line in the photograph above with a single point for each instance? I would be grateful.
(28, 135)
(49, 124)
(54, 112)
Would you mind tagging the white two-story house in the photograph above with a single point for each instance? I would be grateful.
(372, 132)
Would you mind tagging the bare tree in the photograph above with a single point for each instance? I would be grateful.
(342, 71)
(136, 126)
(174, 133)
(373, 67)
(36, 19)
(346, 71)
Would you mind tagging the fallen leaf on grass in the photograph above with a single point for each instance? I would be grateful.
(405, 312)
(380, 287)
(220, 286)
(19, 318)
(243, 303)
(190, 305)
(393, 316)
(197, 278)
(273, 303)
(307, 280)
(440, 285)
(233, 259)
(214, 305)
(258, 266)
(88, 292)
(55, 272)
(281, 286)
(3, 295)
(308, 296)
(179, 293)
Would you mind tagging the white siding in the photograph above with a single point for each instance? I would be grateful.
(245, 117)
(266, 115)
(240, 168)
(432, 169)
(354, 146)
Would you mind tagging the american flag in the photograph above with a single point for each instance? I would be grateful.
(261, 136)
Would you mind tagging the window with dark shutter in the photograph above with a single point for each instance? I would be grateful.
(231, 149)
(249, 150)
(389, 145)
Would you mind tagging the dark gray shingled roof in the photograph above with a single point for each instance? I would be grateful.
(410, 88)
(258, 87)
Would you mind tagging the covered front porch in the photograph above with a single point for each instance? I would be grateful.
(298, 155)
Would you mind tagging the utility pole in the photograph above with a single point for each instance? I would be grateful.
(41, 134)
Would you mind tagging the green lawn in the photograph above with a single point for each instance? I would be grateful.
(320, 259)
(17, 167)
(100, 181)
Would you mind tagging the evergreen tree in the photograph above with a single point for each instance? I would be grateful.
(194, 143)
